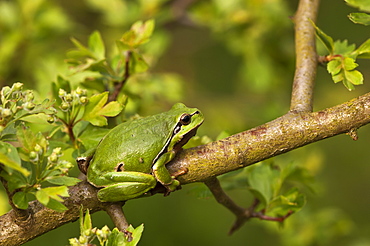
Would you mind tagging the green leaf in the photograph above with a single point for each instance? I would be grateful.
(15, 180)
(116, 238)
(349, 63)
(44, 194)
(343, 48)
(360, 18)
(63, 180)
(96, 45)
(354, 77)
(363, 5)
(262, 180)
(86, 224)
(42, 197)
(137, 63)
(91, 136)
(20, 200)
(50, 197)
(96, 109)
(139, 34)
(324, 38)
(364, 50)
(28, 140)
(10, 158)
(293, 200)
(81, 51)
(143, 31)
(136, 234)
(334, 66)
(348, 84)
(55, 205)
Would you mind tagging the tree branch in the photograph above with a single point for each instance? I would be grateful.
(306, 57)
(291, 131)
(288, 132)
(42, 219)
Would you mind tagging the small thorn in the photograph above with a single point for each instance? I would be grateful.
(353, 134)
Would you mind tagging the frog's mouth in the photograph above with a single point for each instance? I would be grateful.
(185, 139)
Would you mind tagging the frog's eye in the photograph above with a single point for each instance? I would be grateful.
(185, 119)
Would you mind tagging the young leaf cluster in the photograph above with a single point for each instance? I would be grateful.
(26, 169)
(271, 186)
(106, 74)
(274, 188)
(341, 61)
(77, 110)
(105, 236)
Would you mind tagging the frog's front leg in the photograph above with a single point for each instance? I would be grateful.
(121, 186)
(161, 173)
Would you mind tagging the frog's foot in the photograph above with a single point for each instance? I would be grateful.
(180, 172)
(175, 185)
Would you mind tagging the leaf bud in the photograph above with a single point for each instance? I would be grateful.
(17, 86)
(68, 97)
(5, 91)
(64, 106)
(53, 158)
(5, 112)
(51, 119)
(16, 94)
(38, 148)
(33, 156)
(29, 95)
(82, 239)
(54, 110)
(83, 100)
(80, 92)
(87, 232)
(61, 92)
(58, 151)
(73, 242)
(105, 230)
(29, 105)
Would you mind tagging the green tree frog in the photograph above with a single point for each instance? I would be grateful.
(131, 158)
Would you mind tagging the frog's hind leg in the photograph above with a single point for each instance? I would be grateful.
(126, 185)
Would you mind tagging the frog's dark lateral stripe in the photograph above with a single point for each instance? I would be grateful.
(182, 141)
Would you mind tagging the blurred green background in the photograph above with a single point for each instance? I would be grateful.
(235, 61)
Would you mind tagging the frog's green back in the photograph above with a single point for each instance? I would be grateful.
(136, 143)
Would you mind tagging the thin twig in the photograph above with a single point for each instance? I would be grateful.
(242, 214)
(115, 211)
(306, 57)
(118, 85)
